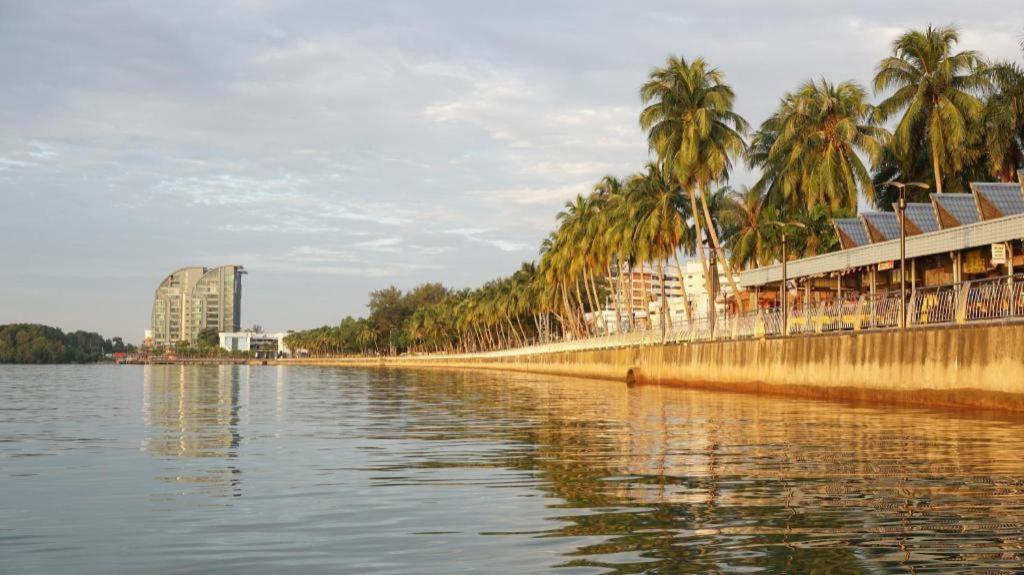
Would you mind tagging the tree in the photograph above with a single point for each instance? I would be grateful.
(691, 125)
(808, 150)
(208, 337)
(748, 236)
(1004, 121)
(936, 91)
(117, 345)
(658, 214)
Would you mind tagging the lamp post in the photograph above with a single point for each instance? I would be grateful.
(902, 207)
(785, 257)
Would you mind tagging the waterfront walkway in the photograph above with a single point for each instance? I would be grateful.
(972, 302)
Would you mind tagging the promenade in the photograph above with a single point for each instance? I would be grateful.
(961, 348)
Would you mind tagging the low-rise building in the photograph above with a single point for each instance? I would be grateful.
(950, 240)
(261, 345)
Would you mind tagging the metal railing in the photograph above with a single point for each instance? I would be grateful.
(953, 304)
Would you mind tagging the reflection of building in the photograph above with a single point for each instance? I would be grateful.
(262, 345)
(193, 412)
(192, 299)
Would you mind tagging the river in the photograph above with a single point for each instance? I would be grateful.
(237, 469)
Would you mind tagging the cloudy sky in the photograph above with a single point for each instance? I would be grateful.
(335, 147)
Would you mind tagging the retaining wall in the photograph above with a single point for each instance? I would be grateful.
(968, 366)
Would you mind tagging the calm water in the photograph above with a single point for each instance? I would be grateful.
(167, 469)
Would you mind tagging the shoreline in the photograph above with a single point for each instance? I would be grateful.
(970, 366)
(962, 367)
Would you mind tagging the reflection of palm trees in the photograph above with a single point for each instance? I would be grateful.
(685, 481)
(193, 412)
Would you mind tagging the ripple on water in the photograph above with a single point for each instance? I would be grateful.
(263, 469)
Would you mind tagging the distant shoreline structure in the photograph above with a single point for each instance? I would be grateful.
(192, 299)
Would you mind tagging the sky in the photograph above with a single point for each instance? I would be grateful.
(337, 147)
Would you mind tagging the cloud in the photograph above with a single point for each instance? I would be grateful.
(231, 189)
(41, 151)
(478, 236)
(535, 195)
(307, 260)
(7, 163)
(389, 245)
(338, 142)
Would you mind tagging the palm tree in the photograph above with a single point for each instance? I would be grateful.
(620, 238)
(659, 215)
(808, 150)
(748, 237)
(573, 235)
(935, 89)
(1004, 121)
(691, 125)
(608, 194)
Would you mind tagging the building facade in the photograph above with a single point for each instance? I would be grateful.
(950, 240)
(641, 294)
(195, 298)
(262, 345)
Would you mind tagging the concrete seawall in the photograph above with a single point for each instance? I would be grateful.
(969, 366)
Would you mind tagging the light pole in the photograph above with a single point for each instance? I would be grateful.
(902, 207)
(783, 289)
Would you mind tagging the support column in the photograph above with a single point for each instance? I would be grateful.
(1012, 303)
(872, 277)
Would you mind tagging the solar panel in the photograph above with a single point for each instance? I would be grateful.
(1006, 198)
(960, 206)
(852, 232)
(995, 186)
(885, 223)
(922, 216)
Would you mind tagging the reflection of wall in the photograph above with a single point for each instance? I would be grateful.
(973, 366)
(193, 412)
(719, 466)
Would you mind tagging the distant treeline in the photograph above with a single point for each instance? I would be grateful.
(34, 343)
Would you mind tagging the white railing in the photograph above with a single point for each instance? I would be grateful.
(977, 300)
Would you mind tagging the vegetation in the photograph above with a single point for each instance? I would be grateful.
(826, 149)
(34, 343)
(208, 337)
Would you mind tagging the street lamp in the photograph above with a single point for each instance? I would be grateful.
(902, 206)
(785, 256)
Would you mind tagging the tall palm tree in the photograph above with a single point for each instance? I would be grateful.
(608, 194)
(936, 90)
(659, 215)
(575, 223)
(809, 149)
(691, 125)
(620, 238)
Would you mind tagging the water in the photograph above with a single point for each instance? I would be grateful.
(167, 469)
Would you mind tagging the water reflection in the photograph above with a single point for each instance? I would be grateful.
(324, 470)
(670, 480)
(194, 412)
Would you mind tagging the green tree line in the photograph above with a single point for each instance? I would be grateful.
(34, 343)
(944, 117)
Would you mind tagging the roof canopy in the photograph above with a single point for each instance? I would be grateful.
(991, 213)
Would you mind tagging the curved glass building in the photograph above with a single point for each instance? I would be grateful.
(194, 298)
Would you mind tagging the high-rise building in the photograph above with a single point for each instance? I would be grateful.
(194, 298)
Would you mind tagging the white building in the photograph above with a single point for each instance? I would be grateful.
(646, 289)
(263, 345)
